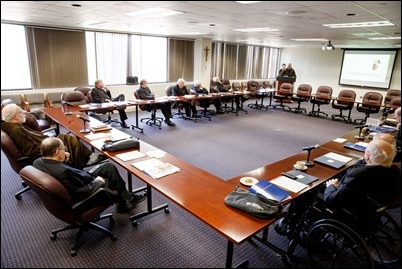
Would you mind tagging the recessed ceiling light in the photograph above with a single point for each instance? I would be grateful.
(154, 12)
(385, 38)
(351, 14)
(247, 2)
(359, 24)
(251, 30)
(309, 39)
(75, 5)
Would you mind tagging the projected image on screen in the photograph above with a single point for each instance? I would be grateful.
(367, 68)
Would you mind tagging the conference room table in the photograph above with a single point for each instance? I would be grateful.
(195, 190)
(274, 170)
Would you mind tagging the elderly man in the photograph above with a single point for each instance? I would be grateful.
(28, 141)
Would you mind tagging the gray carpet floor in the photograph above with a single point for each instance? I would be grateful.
(226, 146)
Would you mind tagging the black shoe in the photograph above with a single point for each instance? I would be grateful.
(124, 125)
(130, 204)
(170, 123)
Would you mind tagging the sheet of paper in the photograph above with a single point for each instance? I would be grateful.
(289, 184)
(132, 155)
(96, 136)
(339, 140)
(147, 164)
(363, 144)
(156, 153)
(162, 170)
(338, 157)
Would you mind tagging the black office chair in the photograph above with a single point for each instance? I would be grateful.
(153, 120)
(344, 102)
(370, 104)
(322, 97)
(177, 105)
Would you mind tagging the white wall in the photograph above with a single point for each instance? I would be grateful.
(317, 67)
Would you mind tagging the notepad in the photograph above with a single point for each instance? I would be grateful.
(360, 146)
(289, 184)
(156, 168)
(269, 190)
(132, 155)
(333, 159)
(302, 177)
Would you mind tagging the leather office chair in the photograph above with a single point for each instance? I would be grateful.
(177, 105)
(322, 97)
(370, 104)
(391, 101)
(16, 159)
(81, 215)
(153, 120)
(85, 91)
(96, 114)
(344, 102)
(15, 99)
(205, 104)
(303, 94)
(252, 87)
(284, 92)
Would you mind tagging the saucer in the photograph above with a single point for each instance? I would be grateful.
(248, 181)
(296, 167)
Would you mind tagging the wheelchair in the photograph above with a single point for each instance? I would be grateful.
(336, 239)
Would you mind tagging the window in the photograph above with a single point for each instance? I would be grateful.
(15, 72)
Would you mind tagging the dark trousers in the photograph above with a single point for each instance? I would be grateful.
(166, 110)
(122, 112)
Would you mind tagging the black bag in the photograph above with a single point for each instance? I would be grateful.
(255, 205)
(128, 143)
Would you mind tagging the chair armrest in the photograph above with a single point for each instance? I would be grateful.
(49, 130)
(26, 106)
(100, 197)
(48, 103)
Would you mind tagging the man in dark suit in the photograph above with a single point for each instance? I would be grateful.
(81, 184)
(378, 179)
(100, 94)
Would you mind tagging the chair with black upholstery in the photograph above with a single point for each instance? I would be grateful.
(303, 94)
(153, 120)
(323, 96)
(82, 215)
(371, 104)
(285, 92)
(344, 102)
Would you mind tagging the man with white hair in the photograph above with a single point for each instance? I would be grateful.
(28, 141)
(378, 179)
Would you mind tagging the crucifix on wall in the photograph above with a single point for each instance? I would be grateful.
(206, 53)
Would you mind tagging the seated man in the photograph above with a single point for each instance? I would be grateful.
(81, 184)
(180, 90)
(360, 180)
(220, 88)
(198, 89)
(100, 94)
(145, 93)
(379, 179)
(28, 141)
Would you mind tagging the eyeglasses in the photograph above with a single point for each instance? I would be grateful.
(63, 148)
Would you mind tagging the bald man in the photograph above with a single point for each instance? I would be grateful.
(377, 179)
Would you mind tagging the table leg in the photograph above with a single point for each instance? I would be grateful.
(136, 121)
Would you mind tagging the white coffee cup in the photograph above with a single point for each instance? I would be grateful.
(300, 164)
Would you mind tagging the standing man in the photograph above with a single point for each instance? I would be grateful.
(289, 71)
(100, 94)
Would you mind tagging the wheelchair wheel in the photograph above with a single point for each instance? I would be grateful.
(332, 244)
(384, 242)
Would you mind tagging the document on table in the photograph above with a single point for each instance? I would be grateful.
(333, 159)
(132, 155)
(156, 168)
(156, 153)
(288, 184)
(99, 136)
